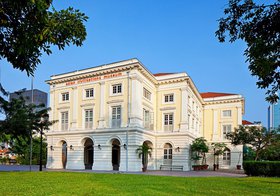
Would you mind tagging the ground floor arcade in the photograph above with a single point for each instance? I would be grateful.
(116, 150)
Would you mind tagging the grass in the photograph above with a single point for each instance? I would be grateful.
(67, 183)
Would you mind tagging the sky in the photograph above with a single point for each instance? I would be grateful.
(165, 35)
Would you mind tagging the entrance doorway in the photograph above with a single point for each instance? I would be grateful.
(116, 154)
(167, 157)
(88, 153)
(226, 157)
(64, 154)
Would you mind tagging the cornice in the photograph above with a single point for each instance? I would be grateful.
(92, 74)
(224, 101)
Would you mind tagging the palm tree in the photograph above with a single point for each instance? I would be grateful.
(143, 151)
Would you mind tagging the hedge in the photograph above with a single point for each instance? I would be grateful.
(262, 168)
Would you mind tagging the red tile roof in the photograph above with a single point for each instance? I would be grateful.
(245, 122)
(162, 74)
(213, 94)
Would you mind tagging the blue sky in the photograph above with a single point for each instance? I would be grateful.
(165, 35)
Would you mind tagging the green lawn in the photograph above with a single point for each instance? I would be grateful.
(67, 183)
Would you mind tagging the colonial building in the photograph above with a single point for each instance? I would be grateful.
(104, 113)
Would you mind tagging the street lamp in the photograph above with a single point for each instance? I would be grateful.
(41, 142)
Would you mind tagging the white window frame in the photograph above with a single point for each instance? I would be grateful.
(116, 120)
(167, 98)
(89, 92)
(64, 97)
(148, 121)
(147, 94)
(225, 115)
(117, 89)
(226, 130)
(64, 126)
(88, 120)
(167, 126)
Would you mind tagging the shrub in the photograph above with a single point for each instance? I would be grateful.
(262, 168)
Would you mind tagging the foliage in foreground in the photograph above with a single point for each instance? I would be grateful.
(258, 25)
(262, 168)
(199, 148)
(59, 183)
(264, 143)
(28, 28)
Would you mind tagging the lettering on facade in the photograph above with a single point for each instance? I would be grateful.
(92, 79)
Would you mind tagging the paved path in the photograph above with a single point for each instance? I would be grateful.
(207, 173)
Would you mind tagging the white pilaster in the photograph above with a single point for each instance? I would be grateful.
(101, 120)
(184, 109)
(215, 126)
(239, 116)
(75, 108)
(136, 114)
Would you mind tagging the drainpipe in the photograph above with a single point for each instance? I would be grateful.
(128, 117)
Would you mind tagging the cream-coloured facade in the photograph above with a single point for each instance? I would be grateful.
(104, 113)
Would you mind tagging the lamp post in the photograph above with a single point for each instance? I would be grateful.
(41, 142)
(214, 166)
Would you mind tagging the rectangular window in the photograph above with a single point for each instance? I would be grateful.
(226, 129)
(117, 88)
(64, 121)
(168, 122)
(89, 118)
(146, 94)
(148, 119)
(169, 98)
(89, 93)
(116, 116)
(65, 96)
(226, 113)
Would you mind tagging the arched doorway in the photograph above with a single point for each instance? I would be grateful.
(167, 154)
(64, 154)
(88, 153)
(116, 154)
(149, 154)
(226, 157)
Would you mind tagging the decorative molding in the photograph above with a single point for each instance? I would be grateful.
(115, 101)
(87, 104)
(167, 108)
(63, 107)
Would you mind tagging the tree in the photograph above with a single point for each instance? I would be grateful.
(144, 151)
(272, 152)
(23, 151)
(258, 26)
(258, 138)
(199, 148)
(218, 149)
(22, 121)
(16, 126)
(28, 28)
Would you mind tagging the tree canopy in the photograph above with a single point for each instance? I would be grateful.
(259, 138)
(257, 25)
(28, 28)
(22, 121)
(199, 147)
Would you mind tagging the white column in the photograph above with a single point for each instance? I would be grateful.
(239, 116)
(136, 112)
(75, 108)
(52, 105)
(215, 126)
(101, 120)
(184, 109)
